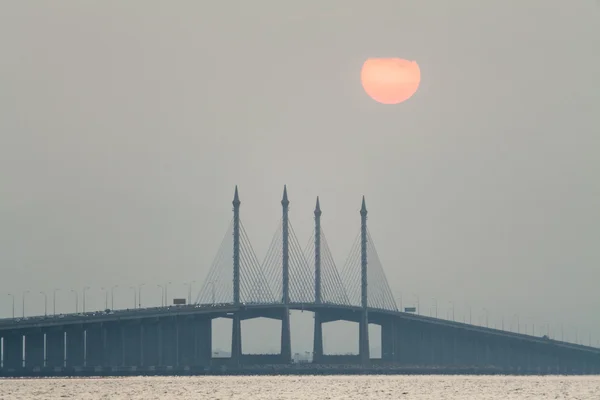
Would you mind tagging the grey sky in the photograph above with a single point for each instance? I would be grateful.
(124, 127)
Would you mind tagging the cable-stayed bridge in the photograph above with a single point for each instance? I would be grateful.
(178, 339)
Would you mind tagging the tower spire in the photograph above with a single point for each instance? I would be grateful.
(236, 197)
(284, 201)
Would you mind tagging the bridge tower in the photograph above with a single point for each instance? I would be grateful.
(236, 335)
(363, 337)
(286, 341)
(318, 328)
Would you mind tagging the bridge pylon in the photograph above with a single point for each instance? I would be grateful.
(286, 340)
(236, 334)
(318, 326)
(363, 337)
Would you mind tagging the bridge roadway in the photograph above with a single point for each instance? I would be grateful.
(177, 339)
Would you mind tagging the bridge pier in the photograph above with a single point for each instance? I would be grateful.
(169, 342)
(286, 337)
(388, 340)
(113, 344)
(94, 346)
(236, 339)
(13, 350)
(75, 346)
(34, 348)
(132, 344)
(203, 340)
(318, 338)
(55, 348)
(151, 352)
(187, 340)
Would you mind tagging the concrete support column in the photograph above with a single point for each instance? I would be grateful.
(286, 341)
(388, 340)
(168, 331)
(75, 347)
(114, 344)
(131, 344)
(13, 350)
(236, 339)
(94, 346)
(318, 339)
(203, 339)
(55, 348)
(151, 344)
(187, 345)
(34, 349)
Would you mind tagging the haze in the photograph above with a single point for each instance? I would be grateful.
(124, 127)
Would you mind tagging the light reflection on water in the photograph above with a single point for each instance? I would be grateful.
(305, 387)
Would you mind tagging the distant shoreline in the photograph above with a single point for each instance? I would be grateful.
(267, 370)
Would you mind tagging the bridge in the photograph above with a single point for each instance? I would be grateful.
(178, 338)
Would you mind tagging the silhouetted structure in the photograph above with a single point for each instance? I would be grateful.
(178, 339)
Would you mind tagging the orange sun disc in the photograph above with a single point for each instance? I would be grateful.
(390, 80)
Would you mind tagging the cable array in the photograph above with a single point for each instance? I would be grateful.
(262, 283)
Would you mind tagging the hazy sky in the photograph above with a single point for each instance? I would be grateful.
(124, 126)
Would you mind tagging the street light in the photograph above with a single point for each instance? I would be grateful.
(189, 284)
(134, 296)
(76, 300)
(452, 306)
(13, 304)
(84, 289)
(166, 296)
(212, 289)
(162, 295)
(45, 304)
(54, 300)
(140, 295)
(518, 323)
(418, 308)
(105, 297)
(435, 305)
(486, 317)
(112, 296)
(24, 293)
(400, 298)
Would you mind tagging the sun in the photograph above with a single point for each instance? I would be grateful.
(390, 80)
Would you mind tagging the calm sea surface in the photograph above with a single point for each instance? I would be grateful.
(305, 387)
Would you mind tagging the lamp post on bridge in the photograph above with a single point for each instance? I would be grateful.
(418, 307)
(112, 297)
(518, 323)
(486, 317)
(13, 304)
(166, 293)
(452, 308)
(435, 306)
(162, 295)
(45, 304)
(212, 290)
(134, 295)
(54, 300)
(83, 295)
(189, 285)
(400, 298)
(105, 297)
(24, 293)
(76, 300)
(140, 295)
